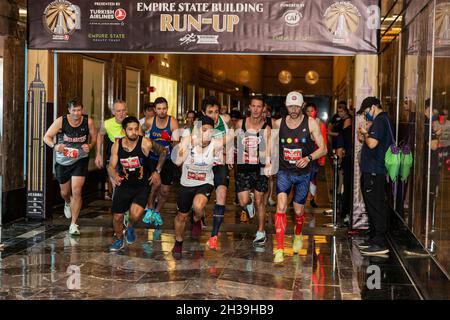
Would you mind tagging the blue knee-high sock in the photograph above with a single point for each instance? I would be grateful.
(219, 212)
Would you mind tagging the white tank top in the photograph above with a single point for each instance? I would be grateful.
(197, 168)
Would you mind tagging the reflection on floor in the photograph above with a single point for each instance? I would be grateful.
(41, 261)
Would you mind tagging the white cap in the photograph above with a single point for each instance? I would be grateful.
(294, 98)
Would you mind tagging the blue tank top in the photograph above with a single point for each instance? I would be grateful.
(162, 137)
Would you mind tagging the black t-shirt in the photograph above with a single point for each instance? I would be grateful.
(345, 141)
(372, 160)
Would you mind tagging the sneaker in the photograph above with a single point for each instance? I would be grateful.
(196, 229)
(260, 239)
(272, 202)
(130, 236)
(375, 250)
(313, 204)
(244, 217)
(365, 245)
(157, 220)
(148, 216)
(279, 256)
(67, 210)
(73, 230)
(212, 243)
(117, 245)
(126, 219)
(177, 250)
(251, 206)
(298, 244)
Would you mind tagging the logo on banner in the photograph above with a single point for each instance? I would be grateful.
(61, 19)
(120, 14)
(342, 19)
(292, 18)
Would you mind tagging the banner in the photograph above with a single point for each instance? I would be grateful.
(278, 27)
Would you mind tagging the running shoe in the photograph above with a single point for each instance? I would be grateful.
(212, 243)
(73, 230)
(365, 245)
(148, 216)
(130, 235)
(126, 219)
(177, 250)
(260, 239)
(244, 217)
(196, 229)
(272, 202)
(157, 220)
(67, 210)
(117, 246)
(298, 244)
(251, 206)
(279, 256)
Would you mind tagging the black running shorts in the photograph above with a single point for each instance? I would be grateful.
(187, 194)
(65, 173)
(124, 196)
(221, 176)
(246, 181)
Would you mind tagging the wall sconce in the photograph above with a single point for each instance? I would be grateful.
(285, 77)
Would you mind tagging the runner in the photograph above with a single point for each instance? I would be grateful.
(73, 132)
(210, 108)
(129, 173)
(253, 135)
(160, 129)
(110, 131)
(298, 136)
(268, 196)
(311, 111)
(196, 155)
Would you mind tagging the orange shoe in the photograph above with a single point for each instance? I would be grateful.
(212, 243)
(244, 217)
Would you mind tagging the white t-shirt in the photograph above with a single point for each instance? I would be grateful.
(198, 167)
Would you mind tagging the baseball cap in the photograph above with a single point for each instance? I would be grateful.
(368, 102)
(294, 98)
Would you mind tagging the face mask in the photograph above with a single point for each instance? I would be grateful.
(369, 117)
(442, 119)
(435, 118)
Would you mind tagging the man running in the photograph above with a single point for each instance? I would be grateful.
(129, 173)
(311, 111)
(253, 135)
(210, 108)
(196, 154)
(73, 132)
(160, 129)
(110, 131)
(298, 136)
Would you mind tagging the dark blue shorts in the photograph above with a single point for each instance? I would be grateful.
(286, 180)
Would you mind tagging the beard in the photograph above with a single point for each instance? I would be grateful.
(132, 138)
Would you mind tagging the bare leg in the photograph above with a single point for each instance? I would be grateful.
(180, 225)
(163, 194)
(118, 225)
(136, 212)
(66, 191)
(260, 206)
(76, 203)
(153, 195)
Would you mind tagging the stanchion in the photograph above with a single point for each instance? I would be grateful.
(335, 190)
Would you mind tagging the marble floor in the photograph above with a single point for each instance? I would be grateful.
(40, 260)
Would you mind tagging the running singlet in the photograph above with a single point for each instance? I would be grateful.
(295, 144)
(114, 130)
(162, 137)
(197, 168)
(73, 138)
(132, 165)
(249, 144)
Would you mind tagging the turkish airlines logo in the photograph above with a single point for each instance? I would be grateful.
(120, 14)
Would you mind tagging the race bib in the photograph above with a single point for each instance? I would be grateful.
(197, 176)
(71, 153)
(130, 164)
(292, 155)
(251, 145)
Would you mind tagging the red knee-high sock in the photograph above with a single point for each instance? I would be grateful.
(299, 224)
(280, 227)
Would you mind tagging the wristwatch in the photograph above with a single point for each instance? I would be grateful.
(310, 158)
